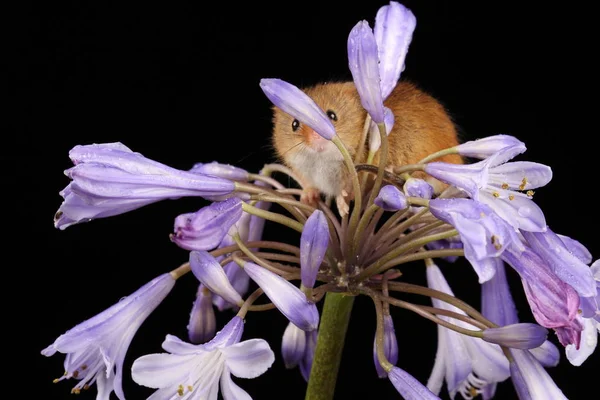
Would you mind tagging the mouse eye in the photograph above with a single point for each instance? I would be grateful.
(295, 125)
(331, 115)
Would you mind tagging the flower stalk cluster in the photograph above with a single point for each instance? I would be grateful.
(485, 214)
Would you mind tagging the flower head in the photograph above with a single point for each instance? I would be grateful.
(530, 379)
(487, 147)
(390, 198)
(208, 271)
(109, 179)
(203, 323)
(96, 348)
(313, 245)
(197, 370)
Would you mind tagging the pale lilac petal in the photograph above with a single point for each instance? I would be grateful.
(203, 323)
(229, 335)
(487, 360)
(364, 66)
(486, 147)
(313, 246)
(220, 170)
(287, 298)
(394, 26)
(564, 264)
(390, 346)
(293, 345)
(577, 249)
(515, 173)
(230, 390)
(296, 103)
(485, 269)
(390, 198)
(497, 304)
(105, 386)
(309, 354)
(468, 177)
(208, 271)
(589, 340)
(162, 370)
(519, 336)
(206, 228)
(436, 379)
(174, 345)
(520, 212)
(530, 379)
(547, 354)
(248, 359)
(409, 387)
(375, 135)
(418, 188)
(238, 279)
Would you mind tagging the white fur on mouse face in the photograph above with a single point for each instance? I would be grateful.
(323, 170)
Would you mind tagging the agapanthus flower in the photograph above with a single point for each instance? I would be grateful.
(390, 198)
(205, 229)
(195, 371)
(309, 354)
(293, 345)
(313, 245)
(364, 66)
(418, 188)
(225, 171)
(488, 146)
(390, 346)
(530, 379)
(110, 179)
(483, 233)
(374, 135)
(296, 103)
(287, 298)
(203, 322)
(96, 348)
(394, 26)
(466, 363)
(408, 386)
(208, 271)
(499, 184)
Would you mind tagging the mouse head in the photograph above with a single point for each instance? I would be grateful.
(341, 104)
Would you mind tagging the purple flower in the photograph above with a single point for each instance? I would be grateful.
(364, 66)
(287, 298)
(518, 336)
(577, 249)
(466, 363)
(296, 103)
(553, 302)
(487, 147)
(293, 345)
(563, 263)
(418, 188)
(109, 179)
(224, 171)
(499, 184)
(390, 198)
(309, 354)
(194, 371)
(394, 26)
(483, 233)
(203, 323)
(408, 386)
(530, 379)
(390, 346)
(208, 271)
(445, 244)
(96, 348)
(589, 340)
(374, 135)
(204, 229)
(313, 246)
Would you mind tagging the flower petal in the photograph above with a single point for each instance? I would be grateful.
(589, 340)
(231, 391)
(486, 147)
(163, 370)
(293, 345)
(497, 304)
(408, 386)
(518, 336)
(313, 246)
(547, 354)
(248, 359)
(208, 271)
(516, 173)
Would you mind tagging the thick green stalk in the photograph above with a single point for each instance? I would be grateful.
(330, 343)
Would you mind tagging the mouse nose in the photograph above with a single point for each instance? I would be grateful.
(310, 135)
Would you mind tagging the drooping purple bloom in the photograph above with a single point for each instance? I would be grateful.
(208, 271)
(96, 348)
(224, 171)
(530, 379)
(313, 246)
(390, 346)
(518, 336)
(287, 298)
(418, 188)
(203, 323)
(553, 302)
(483, 233)
(487, 147)
(589, 340)
(364, 65)
(293, 345)
(466, 363)
(309, 354)
(296, 103)
(374, 135)
(109, 179)
(408, 386)
(499, 184)
(394, 26)
(563, 263)
(390, 198)
(205, 229)
(577, 249)
(195, 371)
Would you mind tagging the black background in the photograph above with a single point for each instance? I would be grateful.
(178, 82)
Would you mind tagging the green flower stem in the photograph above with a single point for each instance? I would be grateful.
(330, 343)
(364, 221)
(441, 153)
(383, 156)
(271, 216)
(254, 189)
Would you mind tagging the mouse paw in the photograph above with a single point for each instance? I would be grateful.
(310, 196)
(342, 203)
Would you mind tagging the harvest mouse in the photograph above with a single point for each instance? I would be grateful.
(421, 127)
